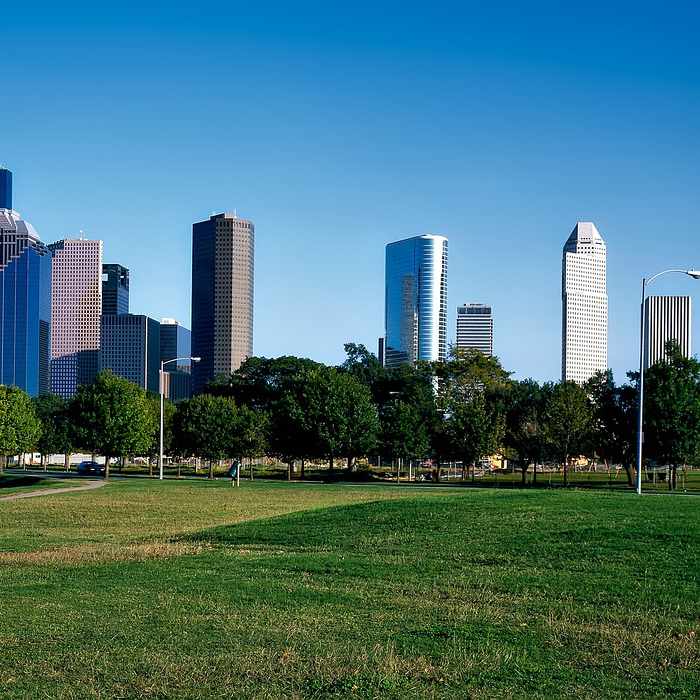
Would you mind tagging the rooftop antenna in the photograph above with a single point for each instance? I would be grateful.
(82, 235)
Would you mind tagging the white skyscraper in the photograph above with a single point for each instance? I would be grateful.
(667, 318)
(475, 328)
(584, 304)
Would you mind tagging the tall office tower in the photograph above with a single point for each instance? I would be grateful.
(666, 318)
(25, 299)
(415, 308)
(584, 304)
(76, 305)
(222, 296)
(5, 188)
(130, 347)
(175, 341)
(115, 289)
(475, 328)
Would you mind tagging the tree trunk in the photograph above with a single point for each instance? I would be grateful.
(3, 461)
(524, 473)
(566, 470)
(351, 464)
(628, 471)
(331, 464)
(302, 469)
(66, 461)
(289, 470)
(179, 467)
(211, 469)
(534, 473)
(150, 467)
(106, 467)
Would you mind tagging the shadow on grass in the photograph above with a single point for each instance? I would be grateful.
(11, 481)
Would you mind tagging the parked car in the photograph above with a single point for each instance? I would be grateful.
(91, 468)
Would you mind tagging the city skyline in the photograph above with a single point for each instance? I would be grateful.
(335, 158)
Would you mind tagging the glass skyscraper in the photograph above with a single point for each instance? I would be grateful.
(222, 296)
(416, 300)
(115, 289)
(175, 341)
(25, 304)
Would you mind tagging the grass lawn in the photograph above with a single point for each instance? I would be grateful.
(195, 589)
(20, 483)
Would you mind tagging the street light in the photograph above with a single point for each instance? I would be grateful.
(162, 397)
(695, 274)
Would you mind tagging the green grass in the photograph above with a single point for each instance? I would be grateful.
(184, 590)
(20, 483)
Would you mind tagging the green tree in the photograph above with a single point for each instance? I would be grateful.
(112, 417)
(56, 428)
(568, 422)
(340, 415)
(525, 423)
(206, 427)
(403, 432)
(20, 428)
(672, 411)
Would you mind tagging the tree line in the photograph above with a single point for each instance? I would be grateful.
(460, 410)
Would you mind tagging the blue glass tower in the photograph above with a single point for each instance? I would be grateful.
(25, 305)
(416, 300)
(5, 189)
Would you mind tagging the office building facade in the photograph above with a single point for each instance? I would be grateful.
(584, 304)
(666, 318)
(176, 341)
(415, 308)
(475, 328)
(130, 347)
(222, 296)
(115, 289)
(25, 300)
(5, 189)
(76, 307)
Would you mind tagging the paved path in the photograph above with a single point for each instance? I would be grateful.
(50, 492)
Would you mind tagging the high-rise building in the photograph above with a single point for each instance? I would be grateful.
(5, 188)
(130, 347)
(666, 318)
(475, 328)
(76, 306)
(175, 341)
(584, 304)
(115, 289)
(415, 308)
(222, 296)
(25, 299)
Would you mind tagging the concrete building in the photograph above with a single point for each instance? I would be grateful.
(25, 299)
(130, 347)
(475, 328)
(115, 289)
(666, 318)
(76, 306)
(175, 341)
(415, 308)
(222, 296)
(584, 304)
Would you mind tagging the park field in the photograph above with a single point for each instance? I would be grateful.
(189, 589)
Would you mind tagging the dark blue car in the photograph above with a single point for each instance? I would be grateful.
(91, 469)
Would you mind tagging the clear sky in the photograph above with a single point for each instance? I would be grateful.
(339, 127)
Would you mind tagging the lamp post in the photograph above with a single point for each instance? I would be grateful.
(695, 274)
(162, 397)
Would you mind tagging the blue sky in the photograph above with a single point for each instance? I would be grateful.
(338, 129)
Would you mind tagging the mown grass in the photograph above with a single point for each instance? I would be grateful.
(180, 591)
(20, 483)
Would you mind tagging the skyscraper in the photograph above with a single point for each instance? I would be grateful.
(415, 309)
(666, 318)
(584, 304)
(76, 305)
(5, 188)
(130, 347)
(25, 299)
(115, 289)
(222, 296)
(475, 328)
(175, 341)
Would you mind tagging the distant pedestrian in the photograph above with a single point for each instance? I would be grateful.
(233, 471)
